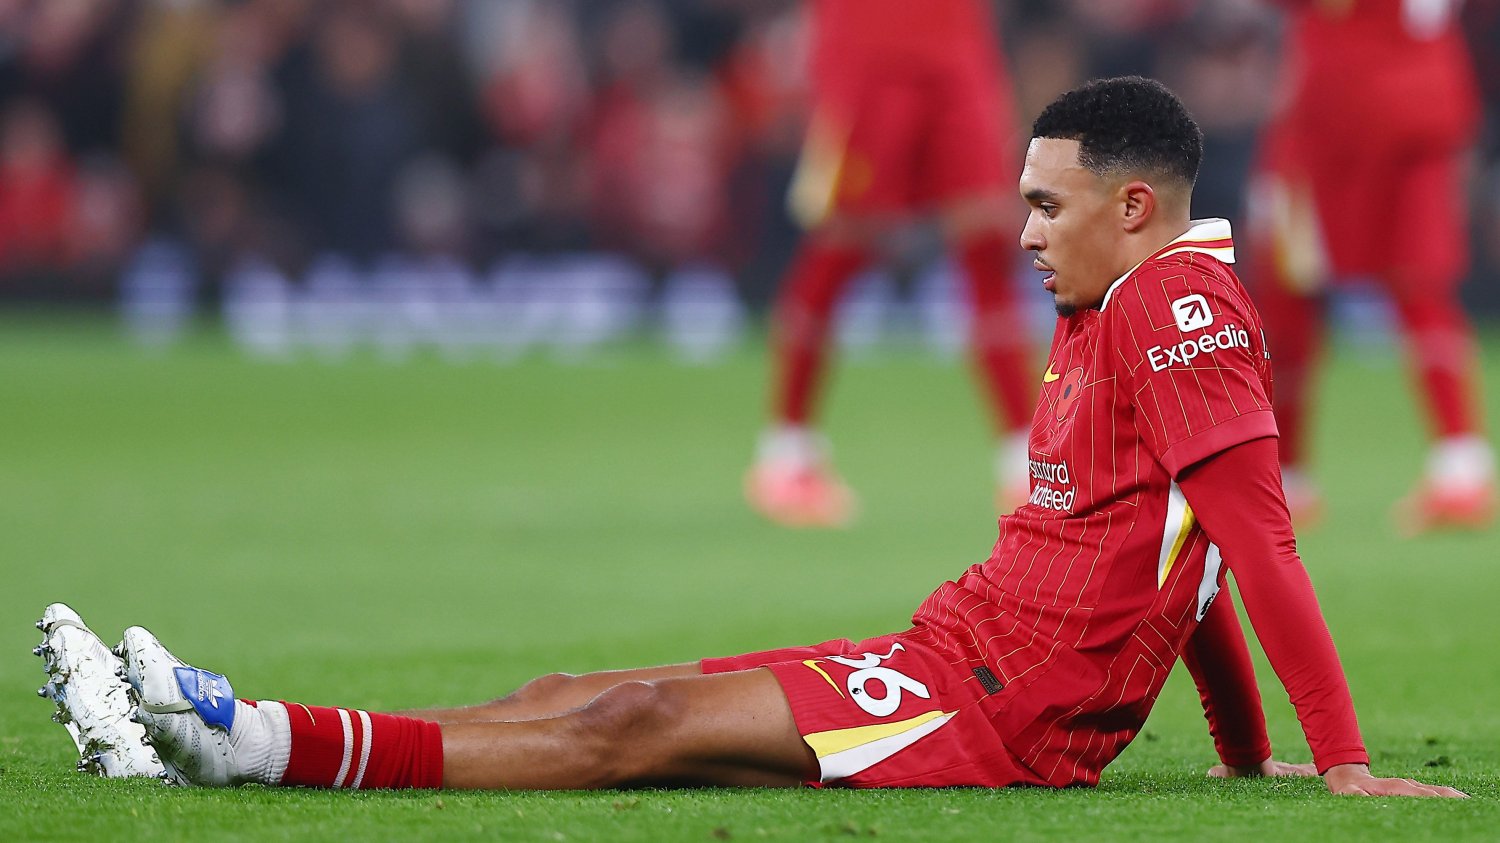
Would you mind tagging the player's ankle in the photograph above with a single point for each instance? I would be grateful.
(262, 740)
(791, 445)
(1461, 462)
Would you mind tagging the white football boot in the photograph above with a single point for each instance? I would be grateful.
(85, 682)
(203, 735)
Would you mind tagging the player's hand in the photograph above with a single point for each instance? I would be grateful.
(1268, 767)
(1355, 780)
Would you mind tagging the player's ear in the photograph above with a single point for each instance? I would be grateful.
(1138, 203)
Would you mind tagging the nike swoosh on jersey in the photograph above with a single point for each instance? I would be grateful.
(1050, 375)
(813, 663)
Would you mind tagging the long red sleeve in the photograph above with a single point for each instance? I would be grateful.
(1219, 661)
(1236, 496)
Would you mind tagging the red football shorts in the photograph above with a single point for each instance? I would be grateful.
(886, 141)
(894, 711)
(1364, 203)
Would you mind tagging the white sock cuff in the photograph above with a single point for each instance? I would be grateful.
(262, 738)
(1461, 461)
(794, 445)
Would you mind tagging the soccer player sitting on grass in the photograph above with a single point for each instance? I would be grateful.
(1154, 473)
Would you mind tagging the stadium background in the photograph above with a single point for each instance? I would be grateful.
(599, 156)
(251, 253)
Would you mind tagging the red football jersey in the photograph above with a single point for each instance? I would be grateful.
(1363, 61)
(1095, 584)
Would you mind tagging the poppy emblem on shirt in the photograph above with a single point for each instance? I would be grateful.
(1068, 390)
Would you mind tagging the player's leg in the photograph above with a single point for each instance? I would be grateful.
(826, 261)
(1458, 484)
(729, 729)
(792, 481)
(1441, 346)
(1294, 331)
(843, 184)
(1289, 269)
(550, 695)
(999, 339)
(964, 171)
(851, 186)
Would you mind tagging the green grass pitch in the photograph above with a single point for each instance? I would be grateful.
(388, 536)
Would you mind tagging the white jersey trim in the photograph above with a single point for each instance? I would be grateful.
(1174, 532)
(1208, 588)
(1198, 233)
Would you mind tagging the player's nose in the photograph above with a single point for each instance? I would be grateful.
(1031, 236)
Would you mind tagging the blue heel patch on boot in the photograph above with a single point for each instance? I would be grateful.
(210, 695)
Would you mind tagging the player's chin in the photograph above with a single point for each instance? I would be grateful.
(1063, 307)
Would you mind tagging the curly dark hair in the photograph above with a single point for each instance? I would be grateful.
(1128, 124)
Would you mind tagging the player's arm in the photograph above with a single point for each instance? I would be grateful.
(1219, 661)
(1236, 496)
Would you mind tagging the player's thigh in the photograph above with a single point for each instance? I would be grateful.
(1428, 251)
(1350, 176)
(1287, 255)
(731, 728)
(867, 139)
(964, 154)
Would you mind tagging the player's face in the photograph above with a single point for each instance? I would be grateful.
(1072, 226)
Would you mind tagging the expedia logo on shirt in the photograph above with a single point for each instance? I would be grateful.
(1192, 312)
(1182, 354)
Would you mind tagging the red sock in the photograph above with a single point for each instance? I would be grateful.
(348, 748)
(1440, 344)
(804, 307)
(1002, 347)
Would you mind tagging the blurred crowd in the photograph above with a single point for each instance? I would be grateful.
(180, 145)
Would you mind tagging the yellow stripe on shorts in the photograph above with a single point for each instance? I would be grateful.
(844, 752)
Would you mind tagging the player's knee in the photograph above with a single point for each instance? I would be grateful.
(629, 709)
(624, 727)
(800, 323)
(543, 688)
(845, 231)
(984, 215)
(1421, 310)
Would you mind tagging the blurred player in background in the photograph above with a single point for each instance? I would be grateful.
(911, 113)
(1362, 176)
